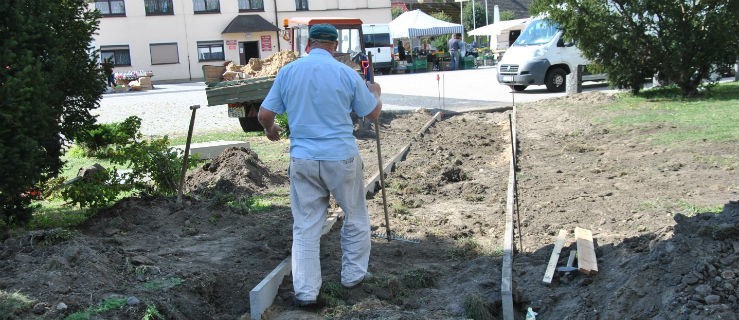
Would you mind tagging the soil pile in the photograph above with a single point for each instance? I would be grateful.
(269, 66)
(235, 171)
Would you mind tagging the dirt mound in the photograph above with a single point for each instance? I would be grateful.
(269, 66)
(584, 98)
(236, 170)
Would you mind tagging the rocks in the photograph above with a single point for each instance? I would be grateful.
(712, 299)
(40, 308)
(132, 301)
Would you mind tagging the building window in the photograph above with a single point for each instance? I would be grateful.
(111, 8)
(164, 53)
(117, 55)
(210, 51)
(251, 5)
(206, 6)
(301, 5)
(158, 7)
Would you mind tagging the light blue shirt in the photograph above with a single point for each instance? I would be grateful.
(318, 93)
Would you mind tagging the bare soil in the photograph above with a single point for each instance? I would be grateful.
(660, 256)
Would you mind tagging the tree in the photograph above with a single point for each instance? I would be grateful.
(396, 11)
(507, 15)
(49, 82)
(467, 15)
(634, 39)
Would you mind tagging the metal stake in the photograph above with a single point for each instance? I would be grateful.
(185, 160)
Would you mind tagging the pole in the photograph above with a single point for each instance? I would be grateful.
(461, 16)
(371, 78)
(474, 25)
(487, 21)
(187, 152)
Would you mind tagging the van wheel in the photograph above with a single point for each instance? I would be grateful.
(518, 87)
(556, 80)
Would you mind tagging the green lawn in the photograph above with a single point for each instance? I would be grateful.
(713, 117)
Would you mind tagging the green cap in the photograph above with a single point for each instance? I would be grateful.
(323, 32)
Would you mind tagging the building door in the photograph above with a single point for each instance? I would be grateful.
(248, 50)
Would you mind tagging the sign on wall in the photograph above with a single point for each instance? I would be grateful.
(231, 44)
(266, 43)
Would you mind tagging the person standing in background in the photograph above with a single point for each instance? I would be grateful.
(454, 45)
(319, 93)
(401, 51)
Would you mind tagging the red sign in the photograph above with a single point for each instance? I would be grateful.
(266, 43)
(231, 44)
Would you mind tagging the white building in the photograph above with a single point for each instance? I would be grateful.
(175, 38)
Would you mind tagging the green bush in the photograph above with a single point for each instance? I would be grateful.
(49, 82)
(281, 120)
(153, 166)
(102, 136)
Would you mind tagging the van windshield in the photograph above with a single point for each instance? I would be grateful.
(538, 32)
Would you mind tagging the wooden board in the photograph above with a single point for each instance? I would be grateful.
(559, 243)
(506, 285)
(571, 258)
(586, 260)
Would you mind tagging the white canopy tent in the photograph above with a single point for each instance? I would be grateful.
(412, 24)
(499, 32)
(495, 29)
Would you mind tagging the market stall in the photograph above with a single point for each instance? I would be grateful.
(418, 29)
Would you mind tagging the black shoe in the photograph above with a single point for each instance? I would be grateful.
(305, 303)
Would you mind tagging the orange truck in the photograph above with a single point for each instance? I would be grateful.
(244, 97)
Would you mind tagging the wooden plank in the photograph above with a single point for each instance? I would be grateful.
(571, 258)
(262, 296)
(586, 260)
(549, 274)
(436, 117)
(506, 285)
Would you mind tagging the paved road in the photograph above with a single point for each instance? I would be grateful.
(165, 110)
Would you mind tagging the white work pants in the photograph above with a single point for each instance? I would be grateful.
(311, 184)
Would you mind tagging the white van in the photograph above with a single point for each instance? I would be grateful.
(377, 40)
(540, 56)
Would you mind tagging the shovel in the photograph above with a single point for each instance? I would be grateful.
(370, 76)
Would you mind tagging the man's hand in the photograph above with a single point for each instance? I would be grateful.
(273, 132)
(375, 89)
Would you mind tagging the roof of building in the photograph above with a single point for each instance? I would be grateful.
(249, 23)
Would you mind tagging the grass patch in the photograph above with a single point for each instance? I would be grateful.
(678, 207)
(11, 304)
(163, 283)
(709, 118)
(333, 294)
(106, 305)
(724, 162)
(476, 308)
(56, 214)
(215, 136)
(691, 210)
(152, 313)
(257, 203)
(420, 278)
(466, 248)
(75, 159)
